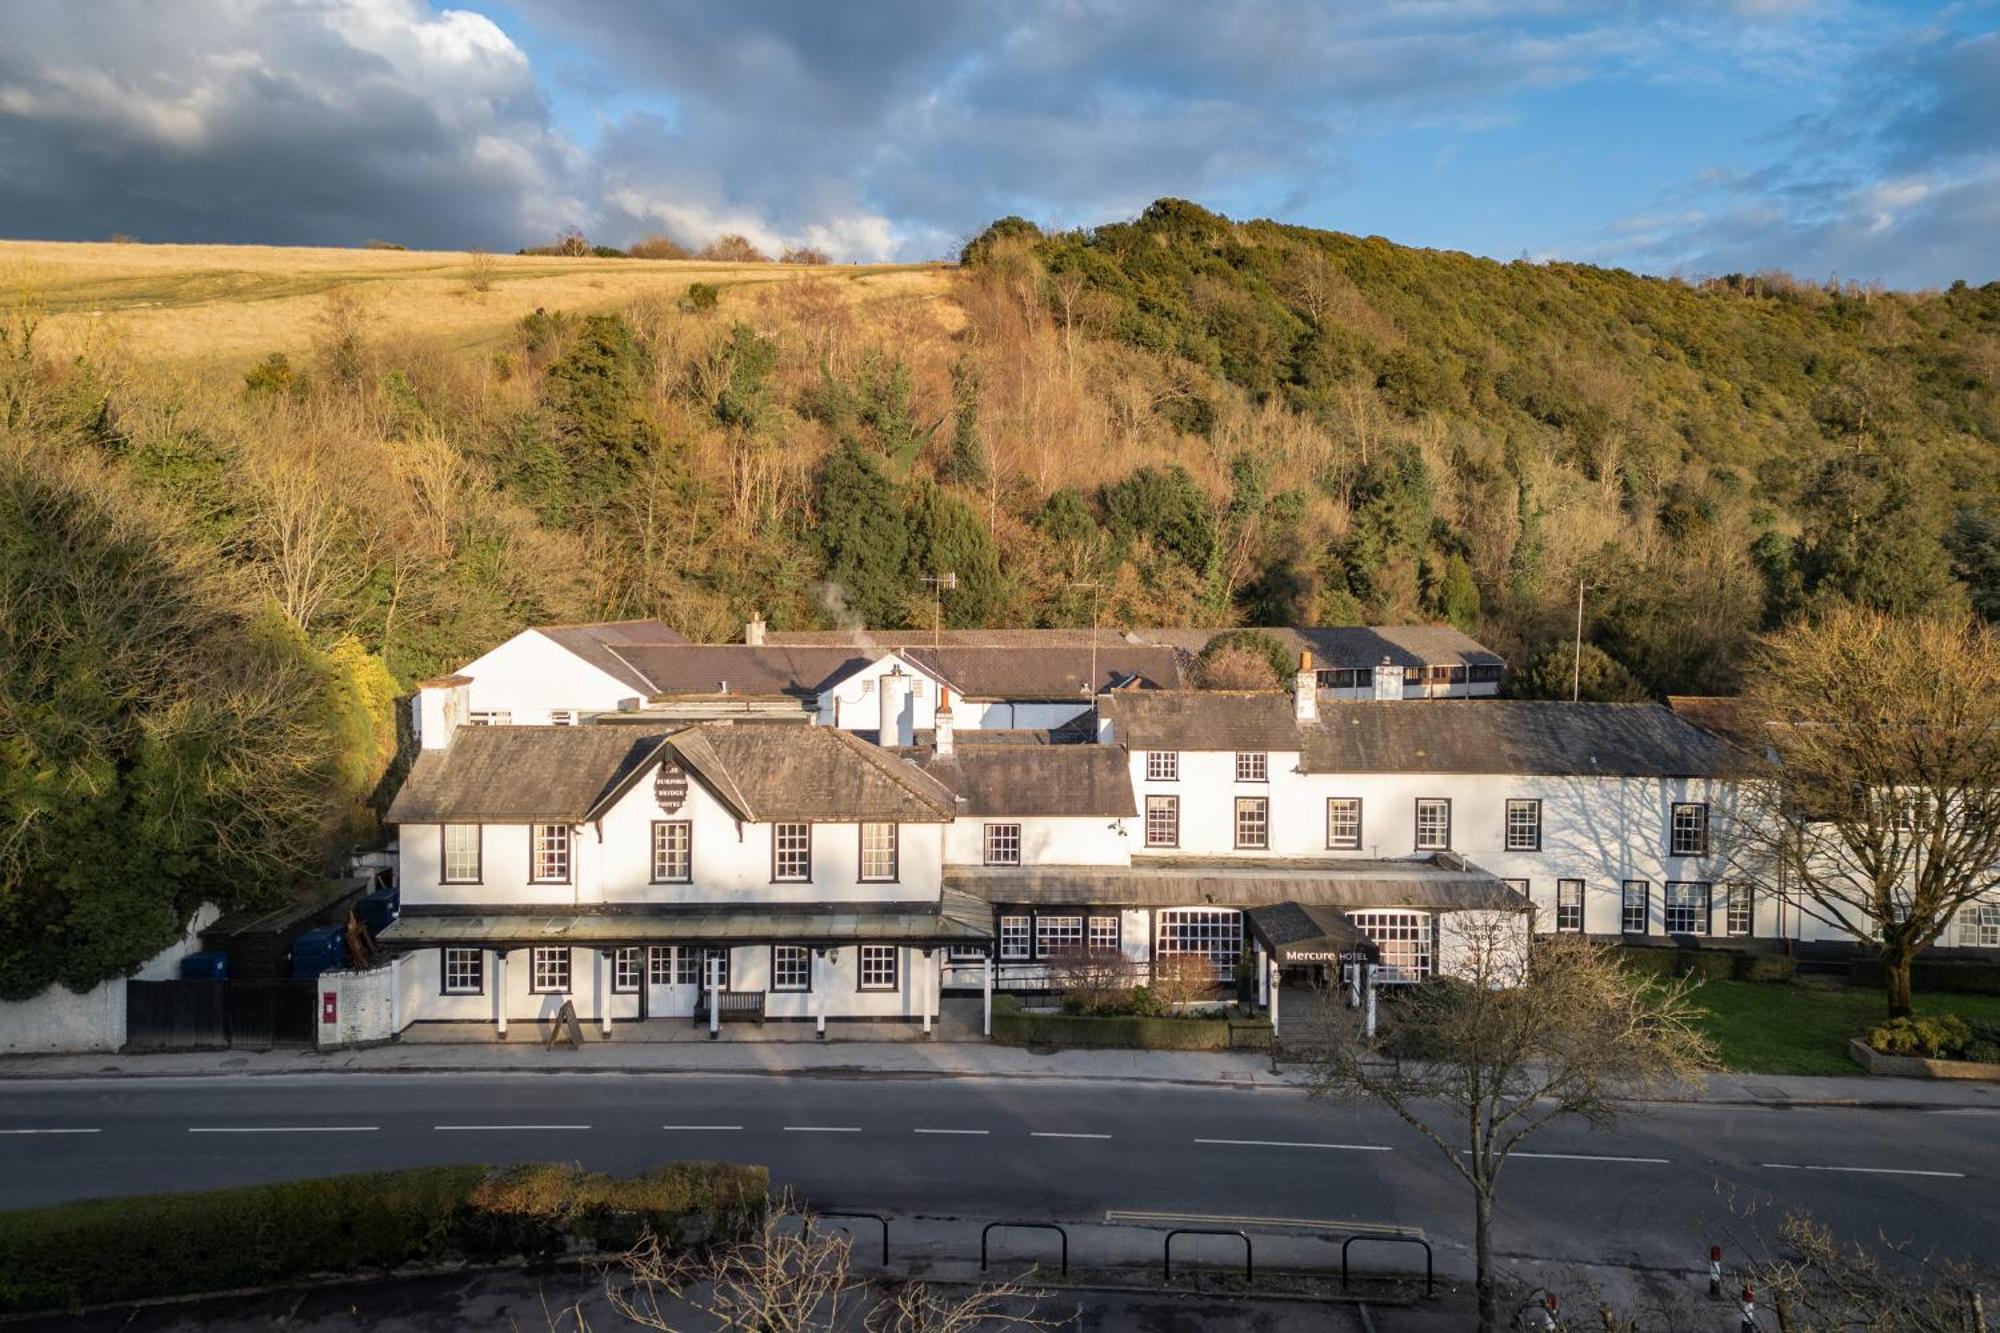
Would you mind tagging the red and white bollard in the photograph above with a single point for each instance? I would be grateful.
(1749, 1309)
(1715, 1272)
(1549, 1306)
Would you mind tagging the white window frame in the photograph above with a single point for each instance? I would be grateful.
(1214, 933)
(1258, 810)
(1166, 830)
(879, 961)
(1407, 942)
(1644, 889)
(462, 971)
(549, 970)
(791, 843)
(687, 966)
(1016, 938)
(1569, 906)
(1433, 806)
(549, 847)
(1979, 926)
(673, 844)
(1689, 836)
(490, 717)
(448, 854)
(660, 965)
(562, 717)
(1524, 824)
(1342, 842)
(628, 966)
(879, 860)
(1105, 934)
(791, 968)
(1057, 935)
(1699, 902)
(1001, 845)
(1739, 909)
(1163, 765)
(1253, 766)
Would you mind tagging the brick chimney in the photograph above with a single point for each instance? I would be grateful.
(1305, 690)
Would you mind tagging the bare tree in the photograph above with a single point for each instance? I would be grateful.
(1814, 1283)
(1068, 288)
(732, 248)
(1181, 980)
(1480, 1062)
(1096, 980)
(297, 531)
(1874, 807)
(438, 477)
(573, 243)
(480, 268)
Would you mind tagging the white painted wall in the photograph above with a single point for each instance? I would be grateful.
(366, 1005)
(1046, 840)
(530, 674)
(62, 1020)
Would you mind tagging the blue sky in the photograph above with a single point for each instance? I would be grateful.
(1692, 136)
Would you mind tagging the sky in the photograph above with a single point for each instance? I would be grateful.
(1826, 137)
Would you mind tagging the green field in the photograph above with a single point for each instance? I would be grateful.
(1764, 1028)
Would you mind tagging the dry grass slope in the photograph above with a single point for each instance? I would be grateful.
(222, 307)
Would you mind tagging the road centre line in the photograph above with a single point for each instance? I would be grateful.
(822, 1129)
(1053, 1134)
(51, 1131)
(1581, 1157)
(951, 1131)
(528, 1127)
(283, 1129)
(1280, 1143)
(1865, 1170)
(701, 1129)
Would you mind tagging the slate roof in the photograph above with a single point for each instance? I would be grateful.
(1204, 720)
(761, 771)
(1030, 780)
(1428, 883)
(957, 917)
(520, 774)
(1353, 645)
(602, 644)
(803, 672)
(733, 669)
(1050, 672)
(1529, 736)
(1726, 716)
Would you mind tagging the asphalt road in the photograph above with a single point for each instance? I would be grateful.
(1656, 1191)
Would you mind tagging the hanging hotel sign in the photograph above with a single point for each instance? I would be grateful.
(670, 788)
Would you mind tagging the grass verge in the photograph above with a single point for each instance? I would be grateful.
(1760, 1028)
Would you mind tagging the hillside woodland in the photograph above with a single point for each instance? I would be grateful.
(214, 586)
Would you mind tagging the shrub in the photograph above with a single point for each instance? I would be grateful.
(1703, 965)
(1772, 967)
(731, 248)
(656, 246)
(703, 295)
(211, 1240)
(1952, 976)
(1933, 1036)
(1132, 1031)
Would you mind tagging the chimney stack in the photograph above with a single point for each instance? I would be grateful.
(442, 707)
(894, 692)
(753, 630)
(1305, 690)
(1388, 680)
(946, 744)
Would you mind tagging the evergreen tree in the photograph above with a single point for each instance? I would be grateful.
(966, 465)
(946, 537)
(864, 535)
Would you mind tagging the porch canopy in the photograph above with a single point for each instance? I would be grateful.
(1294, 933)
(958, 919)
(1439, 882)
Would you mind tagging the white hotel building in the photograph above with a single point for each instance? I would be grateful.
(608, 816)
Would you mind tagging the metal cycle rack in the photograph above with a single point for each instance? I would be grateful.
(1430, 1272)
(1167, 1258)
(1027, 1226)
(872, 1217)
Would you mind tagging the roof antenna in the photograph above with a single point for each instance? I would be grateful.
(940, 584)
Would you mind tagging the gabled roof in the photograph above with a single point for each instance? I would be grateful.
(1036, 780)
(1531, 736)
(520, 774)
(1726, 716)
(602, 644)
(711, 669)
(1203, 720)
(1352, 645)
(1064, 672)
(764, 773)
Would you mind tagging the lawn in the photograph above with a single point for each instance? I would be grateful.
(1770, 1028)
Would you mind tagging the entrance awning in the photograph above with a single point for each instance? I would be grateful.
(957, 919)
(1308, 933)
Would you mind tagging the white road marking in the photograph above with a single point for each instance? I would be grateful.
(51, 1131)
(284, 1129)
(1865, 1170)
(1051, 1134)
(529, 1127)
(952, 1131)
(698, 1129)
(1280, 1143)
(1582, 1157)
(822, 1129)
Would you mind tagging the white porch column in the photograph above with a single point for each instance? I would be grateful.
(1263, 973)
(819, 992)
(1368, 1000)
(924, 985)
(986, 996)
(603, 970)
(1272, 979)
(713, 968)
(499, 991)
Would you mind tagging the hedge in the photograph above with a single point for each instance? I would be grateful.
(1951, 976)
(1012, 1027)
(107, 1250)
(1709, 964)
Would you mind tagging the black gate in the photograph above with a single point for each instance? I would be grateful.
(191, 1015)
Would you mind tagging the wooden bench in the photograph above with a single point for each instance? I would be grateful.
(734, 1006)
